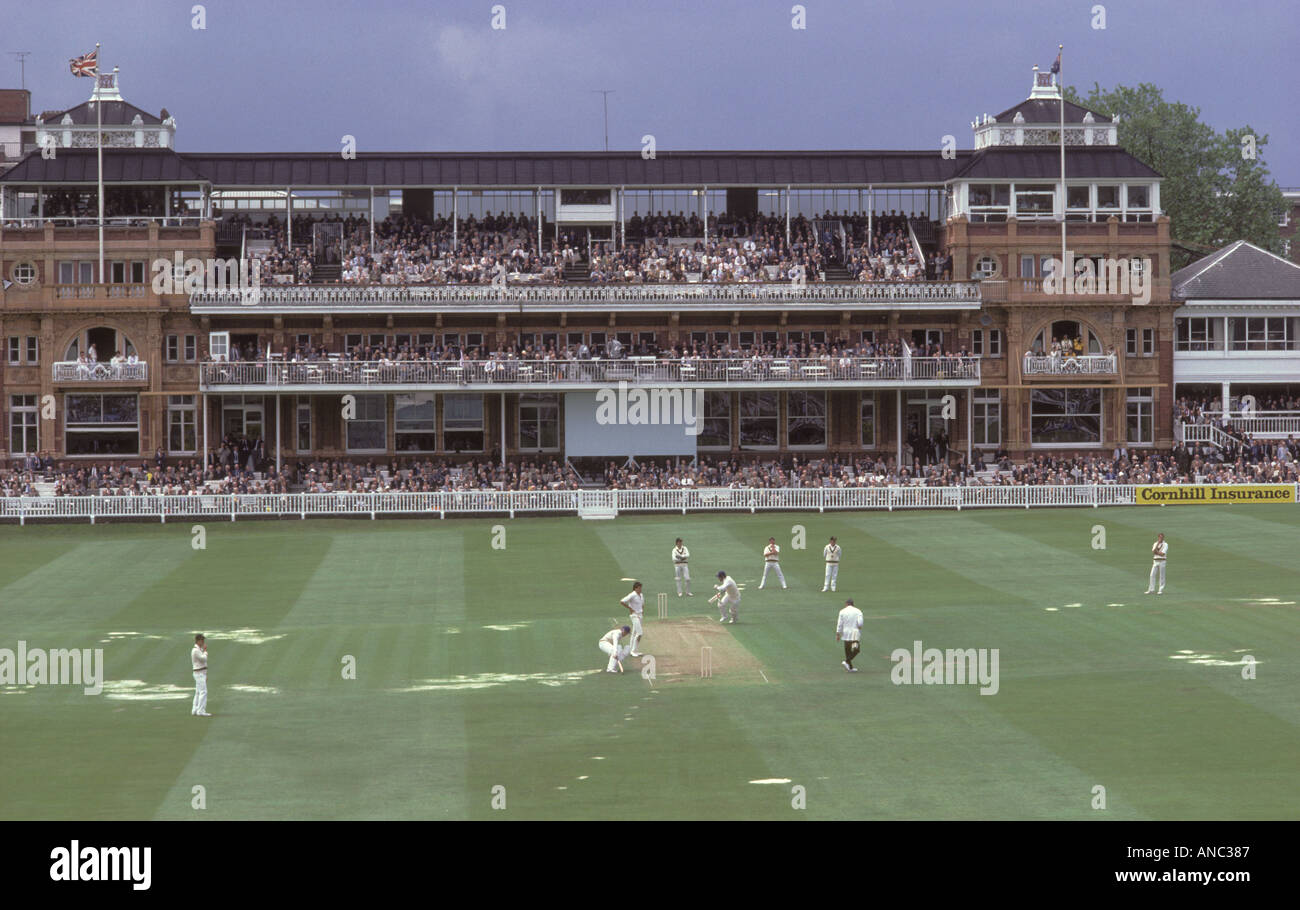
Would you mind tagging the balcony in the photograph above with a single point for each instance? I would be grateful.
(1090, 365)
(883, 295)
(505, 376)
(74, 371)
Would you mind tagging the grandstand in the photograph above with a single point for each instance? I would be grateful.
(442, 320)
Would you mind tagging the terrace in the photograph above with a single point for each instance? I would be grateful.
(515, 375)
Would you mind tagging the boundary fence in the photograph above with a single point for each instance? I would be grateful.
(233, 506)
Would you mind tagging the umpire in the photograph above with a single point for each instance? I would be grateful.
(849, 630)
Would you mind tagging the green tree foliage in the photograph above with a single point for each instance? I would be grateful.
(1217, 188)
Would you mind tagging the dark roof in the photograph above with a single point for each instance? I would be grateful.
(548, 169)
(530, 169)
(1043, 162)
(120, 166)
(1043, 110)
(1239, 271)
(117, 113)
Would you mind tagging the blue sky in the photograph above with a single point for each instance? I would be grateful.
(408, 76)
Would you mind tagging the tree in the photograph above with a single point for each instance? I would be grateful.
(1217, 188)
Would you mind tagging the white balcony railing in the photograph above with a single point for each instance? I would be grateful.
(857, 371)
(1086, 365)
(488, 502)
(75, 371)
(311, 298)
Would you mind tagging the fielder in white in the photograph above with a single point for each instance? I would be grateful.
(1159, 552)
(848, 629)
(728, 596)
(609, 644)
(635, 604)
(681, 556)
(199, 658)
(832, 554)
(772, 562)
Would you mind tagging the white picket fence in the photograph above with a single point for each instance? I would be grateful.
(499, 502)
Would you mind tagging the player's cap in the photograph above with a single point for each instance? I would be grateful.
(848, 602)
(199, 638)
(722, 574)
(679, 540)
(627, 630)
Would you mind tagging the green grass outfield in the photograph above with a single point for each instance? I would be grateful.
(476, 668)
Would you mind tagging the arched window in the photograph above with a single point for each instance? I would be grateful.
(106, 341)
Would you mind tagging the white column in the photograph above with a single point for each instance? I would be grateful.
(898, 422)
(1227, 395)
(277, 430)
(704, 203)
(371, 218)
(455, 194)
(205, 431)
(503, 429)
(787, 214)
(970, 425)
(288, 216)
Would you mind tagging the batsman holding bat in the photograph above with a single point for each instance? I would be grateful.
(727, 598)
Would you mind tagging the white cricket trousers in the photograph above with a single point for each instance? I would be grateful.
(832, 573)
(636, 632)
(1157, 568)
(769, 567)
(615, 654)
(200, 692)
(683, 573)
(726, 602)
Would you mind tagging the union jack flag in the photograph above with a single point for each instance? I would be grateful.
(85, 65)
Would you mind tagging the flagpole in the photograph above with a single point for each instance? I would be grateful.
(99, 156)
(1064, 199)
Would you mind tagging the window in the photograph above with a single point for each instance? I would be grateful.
(377, 341)
(191, 348)
(584, 197)
(985, 267)
(1078, 198)
(303, 426)
(182, 435)
(716, 432)
(794, 338)
(85, 273)
(1027, 266)
(1035, 200)
(1262, 333)
(137, 272)
(1131, 342)
(414, 425)
(1065, 416)
(1139, 405)
(758, 420)
(173, 349)
(986, 343)
(995, 343)
(1198, 333)
(117, 272)
(15, 350)
(351, 342)
(102, 424)
(575, 340)
(867, 415)
(24, 435)
(525, 339)
(1148, 342)
(986, 411)
(539, 422)
(33, 349)
(745, 340)
(462, 423)
(24, 274)
(1108, 197)
(368, 430)
(989, 201)
(67, 273)
(474, 340)
(805, 420)
(868, 336)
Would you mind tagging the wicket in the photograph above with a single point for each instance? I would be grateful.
(663, 606)
(706, 662)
